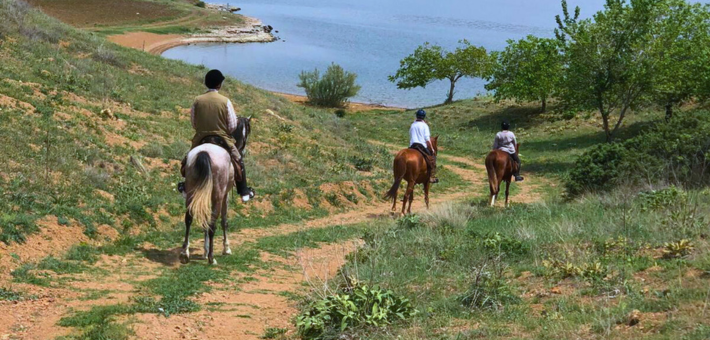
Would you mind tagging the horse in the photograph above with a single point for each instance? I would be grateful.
(500, 167)
(209, 178)
(410, 165)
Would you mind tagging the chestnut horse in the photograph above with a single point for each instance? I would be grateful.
(410, 165)
(500, 167)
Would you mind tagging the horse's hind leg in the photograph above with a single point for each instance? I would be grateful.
(411, 199)
(407, 194)
(225, 225)
(185, 254)
(426, 193)
(507, 190)
(217, 207)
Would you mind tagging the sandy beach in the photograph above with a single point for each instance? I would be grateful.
(249, 32)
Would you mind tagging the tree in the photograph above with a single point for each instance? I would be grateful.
(609, 60)
(529, 69)
(332, 90)
(432, 62)
(682, 49)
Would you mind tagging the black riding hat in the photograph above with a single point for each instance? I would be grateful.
(213, 78)
(421, 114)
(505, 126)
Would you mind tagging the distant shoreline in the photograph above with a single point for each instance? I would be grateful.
(352, 106)
(249, 32)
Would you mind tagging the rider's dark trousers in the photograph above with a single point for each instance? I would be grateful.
(516, 158)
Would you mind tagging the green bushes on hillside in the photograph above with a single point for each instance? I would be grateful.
(672, 152)
(332, 90)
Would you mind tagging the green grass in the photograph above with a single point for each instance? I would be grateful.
(486, 270)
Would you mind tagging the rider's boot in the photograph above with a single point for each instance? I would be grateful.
(518, 178)
(432, 168)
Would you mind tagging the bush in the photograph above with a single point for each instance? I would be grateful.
(597, 169)
(332, 90)
(340, 113)
(201, 4)
(672, 152)
(359, 305)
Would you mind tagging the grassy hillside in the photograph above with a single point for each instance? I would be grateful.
(78, 114)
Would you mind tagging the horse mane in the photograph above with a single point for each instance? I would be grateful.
(241, 133)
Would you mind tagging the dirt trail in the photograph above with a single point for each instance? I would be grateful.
(247, 305)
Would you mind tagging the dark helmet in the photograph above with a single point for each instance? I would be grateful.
(421, 114)
(213, 78)
(505, 126)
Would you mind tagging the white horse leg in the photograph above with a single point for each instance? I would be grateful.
(185, 253)
(207, 245)
(225, 226)
(493, 200)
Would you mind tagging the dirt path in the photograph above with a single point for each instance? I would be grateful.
(243, 308)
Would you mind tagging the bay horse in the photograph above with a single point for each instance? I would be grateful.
(410, 165)
(500, 167)
(209, 178)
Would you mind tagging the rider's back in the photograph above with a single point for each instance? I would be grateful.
(211, 117)
(505, 140)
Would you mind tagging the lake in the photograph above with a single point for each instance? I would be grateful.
(370, 37)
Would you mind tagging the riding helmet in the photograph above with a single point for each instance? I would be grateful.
(213, 78)
(505, 126)
(421, 114)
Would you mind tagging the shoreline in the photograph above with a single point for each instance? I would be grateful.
(251, 31)
(352, 106)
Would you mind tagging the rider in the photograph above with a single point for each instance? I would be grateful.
(505, 141)
(420, 140)
(212, 115)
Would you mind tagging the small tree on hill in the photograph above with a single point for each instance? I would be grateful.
(529, 69)
(332, 90)
(682, 49)
(432, 62)
(609, 59)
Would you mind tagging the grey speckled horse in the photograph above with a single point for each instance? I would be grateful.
(209, 178)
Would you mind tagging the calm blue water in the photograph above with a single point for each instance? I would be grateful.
(369, 37)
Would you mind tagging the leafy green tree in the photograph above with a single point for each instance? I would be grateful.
(609, 59)
(332, 90)
(431, 62)
(529, 69)
(682, 49)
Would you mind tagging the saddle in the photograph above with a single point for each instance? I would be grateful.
(216, 140)
(219, 141)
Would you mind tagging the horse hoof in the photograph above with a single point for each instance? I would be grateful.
(227, 251)
(213, 262)
(184, 258)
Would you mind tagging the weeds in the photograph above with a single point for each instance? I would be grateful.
(677, 249)
(355, 306)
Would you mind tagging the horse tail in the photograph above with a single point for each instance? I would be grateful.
(492, 175)
(392, 193)
(201, 204)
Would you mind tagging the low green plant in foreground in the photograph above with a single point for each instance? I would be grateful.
(353, 306)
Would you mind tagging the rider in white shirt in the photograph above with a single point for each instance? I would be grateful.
(505, 141)
(420, 140)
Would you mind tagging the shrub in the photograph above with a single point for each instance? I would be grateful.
(340, 113)
(362, 163)
(332, 90)
(409, 222)
(489, 289)
(677, 249)
(597, 169)
(673, 152)
(359, 305)
(201, 4)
